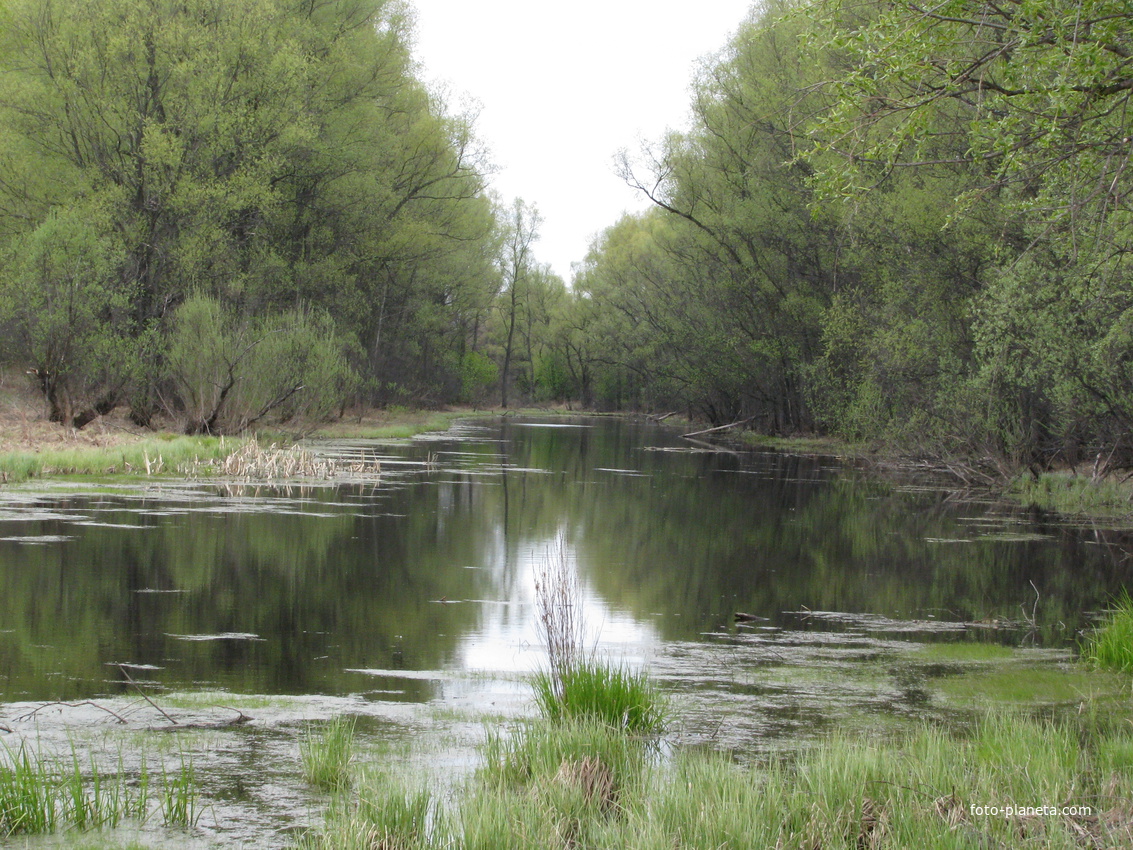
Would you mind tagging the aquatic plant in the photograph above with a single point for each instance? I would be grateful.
(179, 796)
(616, 696)
(29, 799)
(558, 608)
(251, 461)
(1111, 645)
(576, 684)
(326, 751)
(40, 794)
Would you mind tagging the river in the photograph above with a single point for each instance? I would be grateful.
(406, 599)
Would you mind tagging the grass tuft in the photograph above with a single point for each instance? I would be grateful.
(1111, 646)
(576, 685)
(39, 795)
(615, 696)
(326, 751)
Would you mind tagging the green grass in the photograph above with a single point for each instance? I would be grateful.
(1111, 645)
(163, 455)
(1074, 494)
(326, 751)
(612, 695)
(41, 795)
(179, 796)
(586, 785)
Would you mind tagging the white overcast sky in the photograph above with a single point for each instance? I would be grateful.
(563, 86)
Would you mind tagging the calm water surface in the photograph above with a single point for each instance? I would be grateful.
(415, 590)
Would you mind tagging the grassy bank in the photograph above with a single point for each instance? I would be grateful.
(146, 456)
(166, 453)
(1075, 495)
(392, 424)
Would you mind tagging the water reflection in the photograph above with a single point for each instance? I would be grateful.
(396, 588)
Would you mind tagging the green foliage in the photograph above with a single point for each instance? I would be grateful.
(230, 374)
(1033, 93)
(477, 374)
(1111, 645)
(73, 320)
(326, 753)
(281, 159)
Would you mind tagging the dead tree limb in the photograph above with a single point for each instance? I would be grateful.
(145, 696)
(720, 427)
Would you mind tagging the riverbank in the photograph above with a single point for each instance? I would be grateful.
(32, 447)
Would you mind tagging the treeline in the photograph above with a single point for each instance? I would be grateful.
(218, 213)
(888, 222)
(884, 222)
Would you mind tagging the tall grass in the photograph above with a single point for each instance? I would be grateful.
(1074, 494)
(592, 689)
(586, 785)
(39, 794)
(179, 796)
(1111, 645)
(326, 752)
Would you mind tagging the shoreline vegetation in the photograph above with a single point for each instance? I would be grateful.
(33, 448)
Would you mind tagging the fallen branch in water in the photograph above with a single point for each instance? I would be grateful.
(719, 427)
(145, 696)
(36, 711)
(239, 720)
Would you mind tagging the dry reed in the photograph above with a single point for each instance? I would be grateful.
(254, 462)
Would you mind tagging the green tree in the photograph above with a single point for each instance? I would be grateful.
(275, 156)
(517, 268)
(1035, 92)
(73, 322)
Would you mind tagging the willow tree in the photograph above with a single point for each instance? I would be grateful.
(271, 155)
(749, 246)
(1032, 101)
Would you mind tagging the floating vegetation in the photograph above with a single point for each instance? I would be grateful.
(251, 461)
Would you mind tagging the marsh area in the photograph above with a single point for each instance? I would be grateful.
(217, 619)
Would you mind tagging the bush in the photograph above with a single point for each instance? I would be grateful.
(230, 374)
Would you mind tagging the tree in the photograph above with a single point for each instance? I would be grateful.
(1036, 93)
(74, 324)
(517, 267)
(273, 155)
